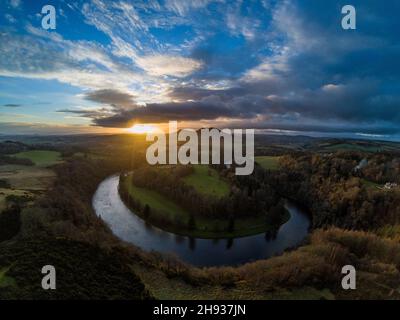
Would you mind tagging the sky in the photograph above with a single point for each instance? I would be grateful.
(276, 66)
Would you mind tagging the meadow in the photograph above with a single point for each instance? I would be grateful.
(42, 158)
(207, 181)
(268, 162)
(6, 281)
(371, 184)
(156, 201)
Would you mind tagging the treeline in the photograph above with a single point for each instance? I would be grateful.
(10, 147)
(249, 196)
(335, 193)
(151, 215)
(13, 160)
(69, 201)
(66, 208)
(382, 168)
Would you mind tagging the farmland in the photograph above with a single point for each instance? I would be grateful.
(268, 162)
(41, 158)
(25, 180)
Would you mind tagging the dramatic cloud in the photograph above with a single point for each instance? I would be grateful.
(159, 113)
(80, 64)
(112, 97)
(275, 65)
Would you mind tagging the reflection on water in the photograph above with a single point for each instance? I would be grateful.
(229, 243)
(202, 252)
(192, 244)
(271, 235)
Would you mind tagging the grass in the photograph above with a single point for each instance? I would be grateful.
(156, 201)
(178, 218)
(370, 184)
(41, 158)
(206, 181)
(6, 281)
(29, 178)
(268, 162)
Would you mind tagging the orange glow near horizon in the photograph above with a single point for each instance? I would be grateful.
(142, 128)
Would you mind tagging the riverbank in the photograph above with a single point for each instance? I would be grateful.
(129, 227)
(163, 213)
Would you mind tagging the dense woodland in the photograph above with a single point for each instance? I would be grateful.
(11, 160)
(336, 194)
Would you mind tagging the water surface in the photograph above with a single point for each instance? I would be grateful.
(201, 252)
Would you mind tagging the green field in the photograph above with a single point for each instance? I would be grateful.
(40, 158)
(268, 162)
(207, 181)
(178, 218)
(5, 281)
(156, 201)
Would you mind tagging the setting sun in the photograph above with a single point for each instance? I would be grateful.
(142, 128)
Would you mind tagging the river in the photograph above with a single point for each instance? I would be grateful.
(200, 252)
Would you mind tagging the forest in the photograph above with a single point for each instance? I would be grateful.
(337, 193)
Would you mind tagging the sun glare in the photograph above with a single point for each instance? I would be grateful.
(142, 129)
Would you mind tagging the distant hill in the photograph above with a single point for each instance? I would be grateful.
(266, 144)
(332, 145)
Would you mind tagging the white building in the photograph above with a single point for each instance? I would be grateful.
(390, 185)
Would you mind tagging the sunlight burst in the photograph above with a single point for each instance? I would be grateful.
(142, 128)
